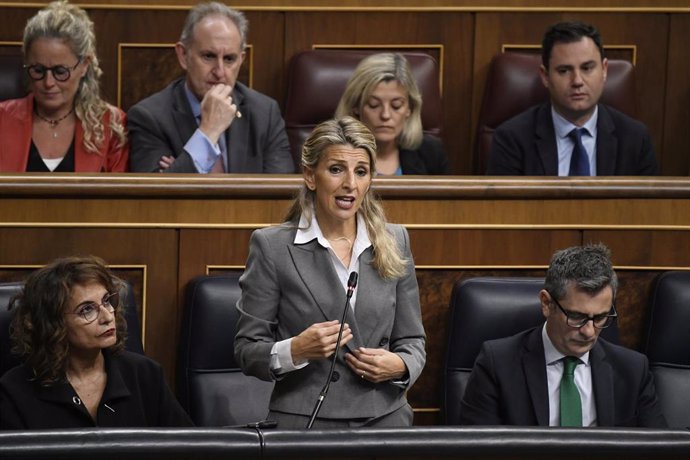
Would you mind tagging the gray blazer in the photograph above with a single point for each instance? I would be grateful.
(288, 287)
(162, 124)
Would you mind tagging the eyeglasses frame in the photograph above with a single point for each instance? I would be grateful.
(591, 318)
(106, 300)
(52, 70)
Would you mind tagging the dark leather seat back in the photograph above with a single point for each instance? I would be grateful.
(486, 309)
(13, 79)
(8, 290)
(668, 345)
(317, 79)
(210, 384)
(513, 85)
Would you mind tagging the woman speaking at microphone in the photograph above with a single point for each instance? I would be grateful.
(294, 292)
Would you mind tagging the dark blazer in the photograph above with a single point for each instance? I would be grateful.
(135, 395)
(288, 287)
(508, 385)
(429, 158)
(525, 145)
(162, 124)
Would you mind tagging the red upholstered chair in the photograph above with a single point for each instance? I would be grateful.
(12, 77)
(317, 79)
(513, 85)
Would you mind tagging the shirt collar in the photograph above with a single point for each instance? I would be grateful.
(551, 354)
(308, 231)
(563, 127)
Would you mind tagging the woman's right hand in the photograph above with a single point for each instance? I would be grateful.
(318, 341)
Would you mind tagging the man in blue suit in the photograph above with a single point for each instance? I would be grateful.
(562, 373)
(207, 121)
(573, 134)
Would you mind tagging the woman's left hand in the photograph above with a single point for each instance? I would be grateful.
(376, 364)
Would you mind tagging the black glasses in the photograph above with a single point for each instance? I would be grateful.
(577, 320)
(60, 72)
(90, 311)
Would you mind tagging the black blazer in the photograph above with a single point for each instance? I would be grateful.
(508, 385)
(162, 124)
(429, 158)
(525, 145)
(135, 395)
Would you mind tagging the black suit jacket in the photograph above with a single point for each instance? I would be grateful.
(508, 385)
(162, 124)
(135, 395)
(429, 158)
(525, 145)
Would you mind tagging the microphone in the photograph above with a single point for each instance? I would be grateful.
(351, 284)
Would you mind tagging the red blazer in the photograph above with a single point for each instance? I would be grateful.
(16, 122)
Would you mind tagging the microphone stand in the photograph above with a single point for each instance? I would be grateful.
(351, 283)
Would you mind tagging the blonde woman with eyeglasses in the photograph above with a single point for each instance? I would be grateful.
(63, 125)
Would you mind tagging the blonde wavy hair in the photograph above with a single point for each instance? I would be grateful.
(388, 259)
(72, 25)
(379, 68)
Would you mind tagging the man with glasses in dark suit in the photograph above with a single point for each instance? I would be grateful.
(563, 373)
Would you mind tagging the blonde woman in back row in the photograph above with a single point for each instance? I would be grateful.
(63, 125)
(382, 93)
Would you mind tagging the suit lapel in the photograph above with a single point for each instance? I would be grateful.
(237, 137)
(534, 368)
(182, 115)
(602, 386)
(14, 152)
(546, 140)
(370, 303)
(607, 144)
(314, 267)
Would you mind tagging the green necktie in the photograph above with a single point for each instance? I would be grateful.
(571, 406)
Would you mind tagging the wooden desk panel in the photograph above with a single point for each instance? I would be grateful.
(162, 231)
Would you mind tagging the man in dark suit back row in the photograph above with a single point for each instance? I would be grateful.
(573, 134)
(207, 121)
(562, 373)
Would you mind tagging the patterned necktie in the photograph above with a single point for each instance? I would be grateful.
(579, 161)
(571, 406)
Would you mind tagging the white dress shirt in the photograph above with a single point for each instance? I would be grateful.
(583, 381)
(565, 144)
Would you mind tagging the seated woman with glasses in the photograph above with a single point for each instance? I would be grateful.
(70, 329)
(63, 125)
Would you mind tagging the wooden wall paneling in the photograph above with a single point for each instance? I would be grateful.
(123, 35)
(488, 247)
(267, 38)
(452, 30)
(675, 160)
(664, 249)
(208, 251)
(151, 250)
